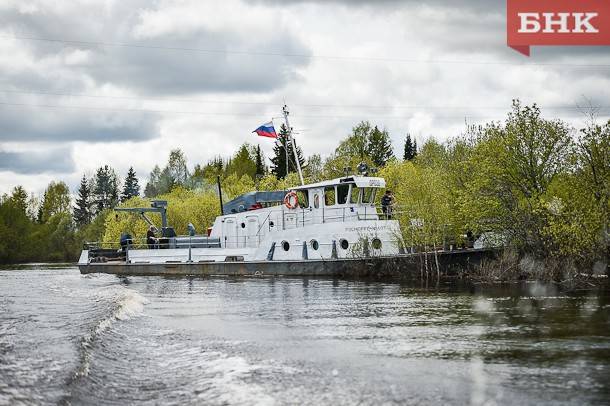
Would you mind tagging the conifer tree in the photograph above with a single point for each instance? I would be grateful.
(105, 188)
(278, 161)
(131, 187)
(410, 149)
(380, 147)
(82, 212)
(261, 168)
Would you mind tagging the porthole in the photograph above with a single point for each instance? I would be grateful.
(314, 244)
(285, 245)
(344, 244)
(243, 225)
(376, 243)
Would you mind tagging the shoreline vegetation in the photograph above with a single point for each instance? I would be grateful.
(536, 185)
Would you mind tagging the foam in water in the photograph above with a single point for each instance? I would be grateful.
(127, 304)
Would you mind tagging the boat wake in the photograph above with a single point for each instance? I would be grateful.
(124, 305)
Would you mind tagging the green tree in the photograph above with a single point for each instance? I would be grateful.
(131, 187)
(259, 161)
(105, 188)
(15, 229)
(242, 163)
(514, 165)
(175, 173)
(176, 170)
(56, 200)
(83, 210)
(380, 147)
(410, 149)
(365, 144)
(278, 161)
(152, 186)
(314, 168)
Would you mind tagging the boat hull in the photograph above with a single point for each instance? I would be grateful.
(406, 266)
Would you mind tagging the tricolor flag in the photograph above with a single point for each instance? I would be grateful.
(266, 130)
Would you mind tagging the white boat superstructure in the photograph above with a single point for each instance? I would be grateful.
(322, 221)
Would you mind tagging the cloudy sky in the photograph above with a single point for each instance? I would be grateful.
(88, 83)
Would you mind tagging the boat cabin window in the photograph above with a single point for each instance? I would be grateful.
(303, 198)
(342, 193)
(316, 201)
(354, 195)
(329, 196)
(368, 195)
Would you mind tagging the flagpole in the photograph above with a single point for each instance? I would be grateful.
(294, 146)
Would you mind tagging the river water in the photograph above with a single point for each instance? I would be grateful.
(67, 338)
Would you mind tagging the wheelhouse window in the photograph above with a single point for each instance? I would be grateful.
(342, 193)
(303, 198)
(354, 195)
(368, 195)
(329, 196)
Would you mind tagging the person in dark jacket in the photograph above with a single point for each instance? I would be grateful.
(387, 201)
(151, 240)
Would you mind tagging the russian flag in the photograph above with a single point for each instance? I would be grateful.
(266, 130)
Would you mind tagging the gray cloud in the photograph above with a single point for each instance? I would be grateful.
(155, 71)
(61, 125)
(36, 162)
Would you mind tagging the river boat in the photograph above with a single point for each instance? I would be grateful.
(327, 228)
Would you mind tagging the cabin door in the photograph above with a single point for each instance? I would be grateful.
(252, 231)
(229, 232)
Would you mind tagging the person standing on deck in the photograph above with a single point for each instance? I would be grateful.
(387, 201)
(151, 240)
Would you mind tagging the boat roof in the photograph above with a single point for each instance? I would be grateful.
(360, 181)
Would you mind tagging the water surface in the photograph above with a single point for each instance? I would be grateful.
(67, 338)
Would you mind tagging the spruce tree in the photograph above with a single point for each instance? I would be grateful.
(131, 187)
(261, 168)
(105, 188)
(380, 147)
(82, 212)
(410, 149)
(278, 161)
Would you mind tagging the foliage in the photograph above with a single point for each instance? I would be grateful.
(243, 162)
(514, 165)
(527, 178)
(259, 162)
(131, 188)
(366, 142)
(56, 200)
(83, 211)
(105, 188)
(410, 149)
(175, 173)
(153, 186)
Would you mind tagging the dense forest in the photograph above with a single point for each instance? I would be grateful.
(541, 185)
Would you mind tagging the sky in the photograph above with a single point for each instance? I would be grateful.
(90, 83)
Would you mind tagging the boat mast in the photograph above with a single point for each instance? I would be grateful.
(294, 145)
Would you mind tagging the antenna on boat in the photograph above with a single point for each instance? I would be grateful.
(294, 145)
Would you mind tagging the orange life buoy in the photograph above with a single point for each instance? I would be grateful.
(291, 200)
